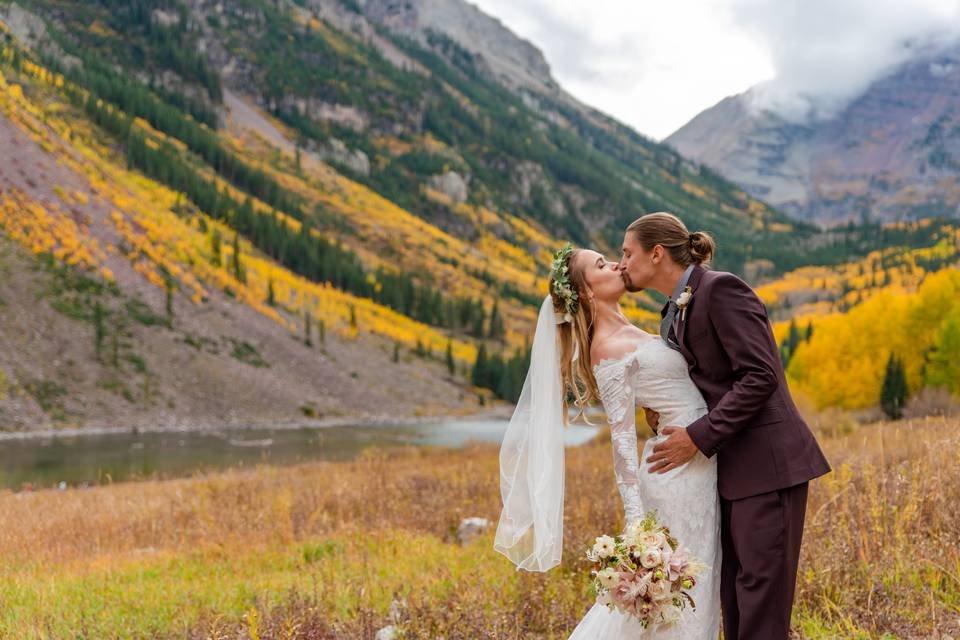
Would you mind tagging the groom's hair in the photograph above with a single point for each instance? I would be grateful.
(666, 229)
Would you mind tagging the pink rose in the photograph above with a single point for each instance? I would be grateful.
(650, 558)
(677, 563)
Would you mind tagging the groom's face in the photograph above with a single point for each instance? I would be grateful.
(637, 267)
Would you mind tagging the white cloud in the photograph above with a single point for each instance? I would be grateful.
(827, 52)
(655, 65)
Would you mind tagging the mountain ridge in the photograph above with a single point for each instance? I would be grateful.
(381, 195)
(890, 154)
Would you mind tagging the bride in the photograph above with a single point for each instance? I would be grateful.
(585, 345)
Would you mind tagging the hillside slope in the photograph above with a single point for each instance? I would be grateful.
(82, 233)
(417, 98)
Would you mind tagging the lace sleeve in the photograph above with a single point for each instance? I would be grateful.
(619, 401)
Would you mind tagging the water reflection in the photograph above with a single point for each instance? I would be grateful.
(128, 456)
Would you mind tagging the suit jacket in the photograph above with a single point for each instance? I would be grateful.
(753, 426)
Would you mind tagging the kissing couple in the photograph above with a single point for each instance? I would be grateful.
(729, 466)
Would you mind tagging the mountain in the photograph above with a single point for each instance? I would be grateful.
(891, 154)
(515, 62)
(407, 96)
(268, 211)
(114, 312)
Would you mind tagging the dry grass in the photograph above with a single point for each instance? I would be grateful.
(320, 550)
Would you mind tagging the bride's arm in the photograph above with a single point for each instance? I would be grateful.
(619, 401)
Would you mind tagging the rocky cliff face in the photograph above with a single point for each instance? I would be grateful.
(502, 55)
(514, 61)
(892, 153)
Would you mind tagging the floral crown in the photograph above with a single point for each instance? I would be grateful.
(561, 282)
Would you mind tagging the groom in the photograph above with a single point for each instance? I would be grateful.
(765, 452)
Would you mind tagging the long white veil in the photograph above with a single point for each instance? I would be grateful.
(530, 530)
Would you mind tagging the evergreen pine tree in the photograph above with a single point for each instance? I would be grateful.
(99, 329)
(451, 363)
(216, 252)
(903, 392)
(271, 295)
(511, 384)
(238, 272)
(322, 329)
(789, 347)
(893, 392)
(169, 285)
(307, 326)
(494, 373)
(794, 336)
(496, 322)
(479, 375)
(118, 329)
(478, 320)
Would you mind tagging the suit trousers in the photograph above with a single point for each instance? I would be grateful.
(760, 539)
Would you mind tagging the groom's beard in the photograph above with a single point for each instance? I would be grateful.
(628, 283)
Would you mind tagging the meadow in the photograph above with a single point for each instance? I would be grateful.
(321, 550)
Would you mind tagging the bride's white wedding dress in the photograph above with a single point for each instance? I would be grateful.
(654, 375)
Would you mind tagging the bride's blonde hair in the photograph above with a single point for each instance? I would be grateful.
(575, 338)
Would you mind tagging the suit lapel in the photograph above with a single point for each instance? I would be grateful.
(695, 276)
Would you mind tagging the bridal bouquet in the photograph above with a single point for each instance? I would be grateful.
(644, 572)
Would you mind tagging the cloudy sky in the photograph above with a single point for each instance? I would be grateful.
(655, 65)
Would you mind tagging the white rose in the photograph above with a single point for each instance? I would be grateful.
(609, 577)
(604, 547)
(649, 539)
(650, 558)
(684, 299)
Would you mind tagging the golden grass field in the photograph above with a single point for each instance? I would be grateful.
(320, 550)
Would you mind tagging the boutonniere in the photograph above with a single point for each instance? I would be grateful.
(683, 300)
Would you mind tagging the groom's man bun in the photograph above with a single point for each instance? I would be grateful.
(668, 230)
(702, 247)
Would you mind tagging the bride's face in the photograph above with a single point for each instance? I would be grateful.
(601, 275)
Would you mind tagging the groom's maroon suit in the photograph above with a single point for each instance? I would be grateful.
(765, 452)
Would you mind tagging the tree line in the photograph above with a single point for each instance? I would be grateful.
(501, 373)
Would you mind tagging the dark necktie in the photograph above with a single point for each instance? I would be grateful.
(667, 324)
(670, 315)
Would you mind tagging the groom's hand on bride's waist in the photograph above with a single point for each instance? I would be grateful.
(676, 450)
